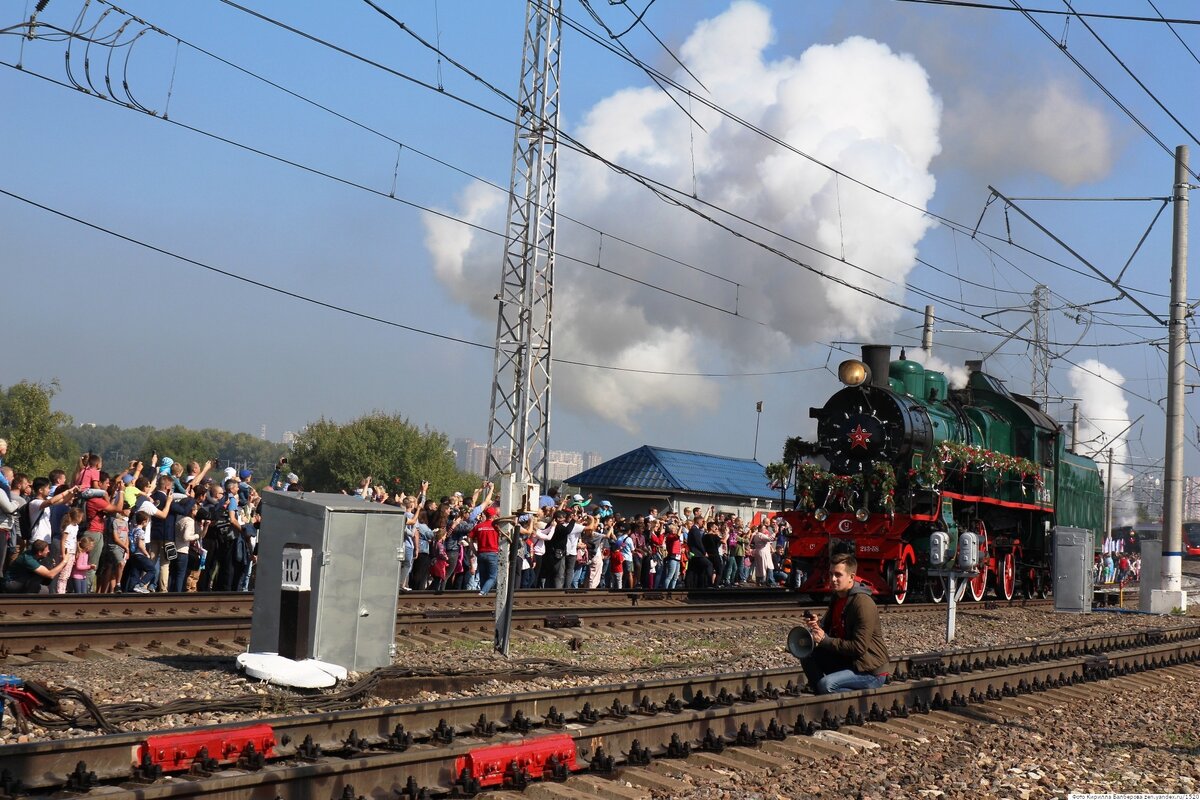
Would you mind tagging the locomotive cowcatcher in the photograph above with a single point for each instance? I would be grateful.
(908, 455)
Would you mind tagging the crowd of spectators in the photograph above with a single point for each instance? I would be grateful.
(169, 526)
(1116, 567)
(165, 526)
(575, 542)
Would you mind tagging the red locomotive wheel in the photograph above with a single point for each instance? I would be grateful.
(936, 588)
(1006, 586)
(979, 583)
(1030, 584)
(898, 581)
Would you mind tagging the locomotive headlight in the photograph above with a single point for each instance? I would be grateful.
(861, 515)
(853, 372)
(820, 515)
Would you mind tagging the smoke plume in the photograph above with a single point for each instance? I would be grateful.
(856, 105)
(1104, 426)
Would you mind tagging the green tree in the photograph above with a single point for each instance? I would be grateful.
(120, 445)
(392, 451)
(36, 443)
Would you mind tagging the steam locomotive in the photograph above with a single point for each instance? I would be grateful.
(899, 454)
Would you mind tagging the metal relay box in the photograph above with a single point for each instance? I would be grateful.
(353, 573)
(1073, 549)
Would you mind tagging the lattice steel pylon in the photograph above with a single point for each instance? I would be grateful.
(519, 428)
(1039, 387)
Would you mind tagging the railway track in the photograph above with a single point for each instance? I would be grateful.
(506, 741)
(72, 627)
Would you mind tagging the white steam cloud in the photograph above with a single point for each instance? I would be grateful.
(1105, 416)
(856, 105)
(956, 376)
(1049, 128)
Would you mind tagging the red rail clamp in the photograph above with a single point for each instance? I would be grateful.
(489, 764)
(175, 752)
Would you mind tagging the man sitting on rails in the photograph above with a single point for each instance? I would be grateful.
(848, 647)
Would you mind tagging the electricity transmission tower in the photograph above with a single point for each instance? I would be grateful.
(519, 427)
(1039, 388)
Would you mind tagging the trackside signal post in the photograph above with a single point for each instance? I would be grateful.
(952, 567)
(515, 499)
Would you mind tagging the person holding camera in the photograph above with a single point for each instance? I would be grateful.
(30, 573)
(848, 648)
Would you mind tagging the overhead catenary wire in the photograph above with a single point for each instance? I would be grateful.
(570, 142)
(585, 151)
(982, 331)
(363, 315)
(929, 295)
(1054, 12)
(1162, 106)
(1099, 84)
(508, 98)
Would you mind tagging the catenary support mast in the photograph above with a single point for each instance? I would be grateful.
(1039, 388)
(1170, 594)
(519, 427)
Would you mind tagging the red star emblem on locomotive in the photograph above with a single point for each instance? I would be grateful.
(859, 438)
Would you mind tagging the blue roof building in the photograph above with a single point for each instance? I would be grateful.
(662, 478)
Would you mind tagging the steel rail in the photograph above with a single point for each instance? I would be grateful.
(165, 626)
(45, 764)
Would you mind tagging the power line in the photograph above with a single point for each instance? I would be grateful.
(362, 315)
(1098, 83)
(591, 36)
(1053, 12)
(617, 168)
(412, 204)
(645, 181)
(441, 214)
(1136, 79)
(1171, 28)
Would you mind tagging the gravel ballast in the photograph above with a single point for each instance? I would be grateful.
(608, 656)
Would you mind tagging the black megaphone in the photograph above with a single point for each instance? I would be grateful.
(800, 642)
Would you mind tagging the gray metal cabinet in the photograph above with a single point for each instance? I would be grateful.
(358, 549)
(1073, 569)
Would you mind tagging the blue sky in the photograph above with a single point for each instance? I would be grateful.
(933, 104)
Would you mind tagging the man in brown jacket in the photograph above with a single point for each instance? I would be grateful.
(848, 648)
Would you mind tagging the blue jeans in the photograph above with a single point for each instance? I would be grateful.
(847, 679)
(487, 572)
(177, 580)
(819, 669)
(670, 572)
(730, 573)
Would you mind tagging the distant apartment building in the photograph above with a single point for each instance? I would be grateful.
(471, 456)
(562, 464)
(289, 437)
(1191, 499)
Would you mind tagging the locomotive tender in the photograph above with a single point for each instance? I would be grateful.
(908, 455)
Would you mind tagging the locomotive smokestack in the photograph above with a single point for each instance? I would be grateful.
(975, 365)
(879, 358)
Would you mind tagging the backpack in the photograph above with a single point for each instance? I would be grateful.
(26, 524)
